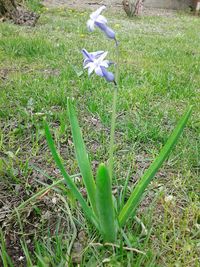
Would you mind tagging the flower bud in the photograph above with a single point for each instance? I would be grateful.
(108, 31)
(109, 76)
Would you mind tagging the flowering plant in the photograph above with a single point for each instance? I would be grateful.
(100, 209)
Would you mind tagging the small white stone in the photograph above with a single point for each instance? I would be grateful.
(21, 258)
(54, 200)
(169, 198)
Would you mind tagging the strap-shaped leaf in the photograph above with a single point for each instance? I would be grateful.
(87, 210)
(135, 198)
(82, 156)
(105, 206)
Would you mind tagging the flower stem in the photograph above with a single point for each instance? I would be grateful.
(112, 134)
(113, 119)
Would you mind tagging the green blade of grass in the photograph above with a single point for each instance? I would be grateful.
(82, 156)
(105, 206)
(6, 259)
(3, 250)
(26, 251)
(133, 201)
(41, 260)
(43, 190)
(87, 210)
(124, 190)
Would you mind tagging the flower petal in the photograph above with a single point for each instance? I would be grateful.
(86, 54)
(91, 69)
(96, 13)
(101, 19)
(105, 63)
(97, 54)
(90, 25)
(98, 71)
(86, 61)
(88, 65)
(102, 56)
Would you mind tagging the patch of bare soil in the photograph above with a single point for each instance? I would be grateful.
(113, 5)
(24, 17)
(84, 4)
(19, 15)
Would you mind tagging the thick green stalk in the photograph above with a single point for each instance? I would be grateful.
(112, 134)
(113, 119)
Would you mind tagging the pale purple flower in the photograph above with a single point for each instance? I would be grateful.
(96, 19)
(90, 57)
(96, 62)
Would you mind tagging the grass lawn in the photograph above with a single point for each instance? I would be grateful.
(159, 78)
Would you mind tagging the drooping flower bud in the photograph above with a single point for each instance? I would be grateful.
(107, 30)
(109, 76)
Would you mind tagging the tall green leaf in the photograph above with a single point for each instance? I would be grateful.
(82, 156)
(105, 206)
(135, 198)
(87, 210)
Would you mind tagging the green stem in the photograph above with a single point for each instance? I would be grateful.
(112, 134)
(113, 119)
